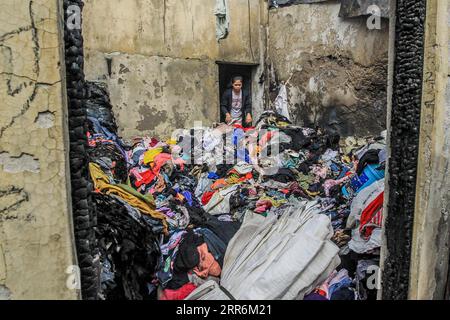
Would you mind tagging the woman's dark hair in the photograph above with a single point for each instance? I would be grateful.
(237, 78)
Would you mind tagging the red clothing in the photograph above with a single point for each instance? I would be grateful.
(178, 294)
(153, 142)
(207, 196)
(372, 217)
(239, 126)
(159, 161)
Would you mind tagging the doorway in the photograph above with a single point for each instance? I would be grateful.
(229, 70)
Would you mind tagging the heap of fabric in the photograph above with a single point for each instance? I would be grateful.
(268, 259)
(126, 225)
(303, 223)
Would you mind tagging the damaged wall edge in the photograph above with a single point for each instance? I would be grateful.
(65, 123)
(407, 80)
(82, 205)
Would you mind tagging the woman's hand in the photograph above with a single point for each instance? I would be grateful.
(248, 119)
(227, 118)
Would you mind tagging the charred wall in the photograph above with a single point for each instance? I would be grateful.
(82, 205)
(404, 145)
(335, 69)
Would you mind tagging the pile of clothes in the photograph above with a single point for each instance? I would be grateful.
(274, 211)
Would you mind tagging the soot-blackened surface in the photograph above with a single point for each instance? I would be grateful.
(83, 213)
(405, 123)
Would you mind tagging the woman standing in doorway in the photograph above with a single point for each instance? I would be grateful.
(236, 104)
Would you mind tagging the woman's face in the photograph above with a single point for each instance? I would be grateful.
(237, 85)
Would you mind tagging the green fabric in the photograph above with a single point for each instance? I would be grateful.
(304, 181)
(148, 198)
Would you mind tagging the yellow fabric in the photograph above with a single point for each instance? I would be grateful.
(150, 155)
(312, 194)
(233, 179)
(171, 141)
(282, 124)
(346, 159)
(275, 203)
(102, 183)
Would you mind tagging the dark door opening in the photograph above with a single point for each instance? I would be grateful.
(227, 71)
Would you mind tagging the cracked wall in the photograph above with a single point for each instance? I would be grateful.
(335, 68)
(36, 242)
(158, 58)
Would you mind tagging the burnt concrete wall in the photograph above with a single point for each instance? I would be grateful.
(335, 68)
(158, 58)
(404, 138)
(82, 206)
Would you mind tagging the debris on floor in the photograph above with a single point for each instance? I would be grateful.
(202, 215)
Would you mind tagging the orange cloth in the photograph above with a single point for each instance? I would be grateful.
(233, 178)
(219, 184)
(207, 266)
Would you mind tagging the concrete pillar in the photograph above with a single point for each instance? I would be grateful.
(36, 233)
(430, 245)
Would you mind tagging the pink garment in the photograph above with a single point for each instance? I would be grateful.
(262, 206)
(331, 183)
(261, 209)
(136, 173)
(265, 139)
(179, 162)
(207, 266)
(320, 172)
